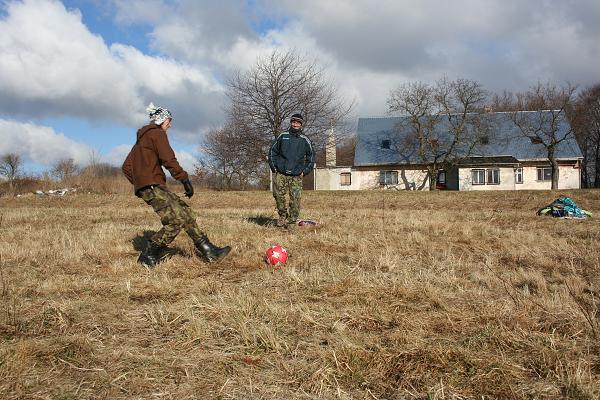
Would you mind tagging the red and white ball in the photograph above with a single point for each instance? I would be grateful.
(276, 255)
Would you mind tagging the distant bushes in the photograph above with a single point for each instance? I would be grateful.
(86, 181)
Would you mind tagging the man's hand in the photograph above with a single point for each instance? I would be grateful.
(189, 189)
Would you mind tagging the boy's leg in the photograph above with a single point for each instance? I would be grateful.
(162, 203)
(279, 191)
(204, 247)
(186, 215)
(165, 204)
(295, 189)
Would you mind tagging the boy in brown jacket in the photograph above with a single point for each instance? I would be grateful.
(143, 168)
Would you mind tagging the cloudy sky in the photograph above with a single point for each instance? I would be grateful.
(76, 76)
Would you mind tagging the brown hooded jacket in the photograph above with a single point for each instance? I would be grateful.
(142, 167)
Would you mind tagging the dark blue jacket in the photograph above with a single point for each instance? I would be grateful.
(291, 154)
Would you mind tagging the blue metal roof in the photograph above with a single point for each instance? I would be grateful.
(504, 139)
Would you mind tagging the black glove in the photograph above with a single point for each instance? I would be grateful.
(189, 189)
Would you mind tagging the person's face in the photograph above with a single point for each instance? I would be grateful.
(296, 124)
(167, 124)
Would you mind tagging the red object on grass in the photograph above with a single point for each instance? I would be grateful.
(276, 255)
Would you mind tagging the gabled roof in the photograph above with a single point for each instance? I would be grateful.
(505, 139)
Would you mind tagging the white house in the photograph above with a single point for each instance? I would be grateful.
(507, 160)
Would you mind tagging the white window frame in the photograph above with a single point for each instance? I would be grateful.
(388, 177)
(518, 175)
(543, 171)
(476, 174)
(343, 175)
(492, 176)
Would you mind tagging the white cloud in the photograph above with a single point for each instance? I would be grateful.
(191, 93)
(40, 143)
(186, 160)
(44, 146)
(140, 11)
(117, 154)
(508, 44)
(52, 64)
(505, 44)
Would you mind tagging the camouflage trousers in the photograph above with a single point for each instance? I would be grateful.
(174, 213)
(292, 185)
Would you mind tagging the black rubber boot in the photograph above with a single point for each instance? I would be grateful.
(209, 251)
(151, 255)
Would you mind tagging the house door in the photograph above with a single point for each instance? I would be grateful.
(441, 180)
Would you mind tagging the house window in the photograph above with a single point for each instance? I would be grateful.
(544, 174)
(388, 177)
(385, 144)
(345, 179)
(478, 176)
(489, 176)
(493, 176)
(519, 175)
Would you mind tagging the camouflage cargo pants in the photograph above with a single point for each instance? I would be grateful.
(174, 213)
(292, 185)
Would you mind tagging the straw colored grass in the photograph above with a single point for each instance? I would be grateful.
(397, 295)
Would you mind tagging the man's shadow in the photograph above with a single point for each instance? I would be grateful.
(141, 242)
(262, 220)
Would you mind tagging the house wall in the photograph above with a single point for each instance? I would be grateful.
(408, 179)
(456, 179)
(568, 178)
(329, 178)
(507, 179)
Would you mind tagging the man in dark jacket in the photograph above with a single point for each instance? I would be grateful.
(291, 157)
(143, 168)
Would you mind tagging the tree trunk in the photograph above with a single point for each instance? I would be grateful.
(585, 173)
(555, 172)
(432, 178)
(596, 161)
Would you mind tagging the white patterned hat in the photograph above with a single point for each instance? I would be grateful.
(158, 115)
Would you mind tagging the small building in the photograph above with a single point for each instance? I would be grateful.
(506, 160)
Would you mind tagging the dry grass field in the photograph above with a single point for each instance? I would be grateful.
(397, 295)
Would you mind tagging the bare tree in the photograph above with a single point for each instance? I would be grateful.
(204, 176)
(10, 167)
(585, 119)
(346, 150)
(263, 99)
(100, 169)
(544, 123)
(94, 162)
(443, 123)
(231, 158)
(64, 169)
(502, 102)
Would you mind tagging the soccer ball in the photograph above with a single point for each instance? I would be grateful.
(276, 255)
